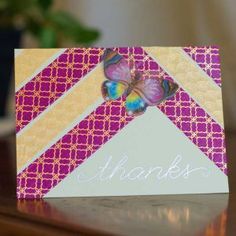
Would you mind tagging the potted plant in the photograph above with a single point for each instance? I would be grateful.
(49, 27)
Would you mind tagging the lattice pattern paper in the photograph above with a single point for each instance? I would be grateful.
(79, 142)
(52, 82)
(208, 59)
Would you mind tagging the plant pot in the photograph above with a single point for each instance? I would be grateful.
(9, 39)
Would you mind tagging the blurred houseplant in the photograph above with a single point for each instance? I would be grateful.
(49, 27)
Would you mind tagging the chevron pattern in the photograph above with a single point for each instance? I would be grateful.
(76, 145)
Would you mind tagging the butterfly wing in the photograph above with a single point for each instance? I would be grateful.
(170, 88)
(154, 91)
(135, 104)
(112, 90)
(116, 67)
(149, 92)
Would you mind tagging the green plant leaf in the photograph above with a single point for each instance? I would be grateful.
(3, 4)
(47, 38)
(34, 15)
(86, 36)
(45, 4)
(72, 28)
(63, 19)
(33, 26)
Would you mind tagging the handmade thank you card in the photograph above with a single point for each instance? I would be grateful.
(119, 121)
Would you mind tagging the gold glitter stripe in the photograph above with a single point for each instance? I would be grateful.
(191, 78)
(29, 61)
(56, 119)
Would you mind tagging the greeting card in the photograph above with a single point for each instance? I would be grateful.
(119, 121)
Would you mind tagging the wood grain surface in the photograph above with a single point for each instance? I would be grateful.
(209, 214)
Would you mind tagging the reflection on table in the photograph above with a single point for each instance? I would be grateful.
(141, 215)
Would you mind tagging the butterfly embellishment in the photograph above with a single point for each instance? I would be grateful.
(139, 92)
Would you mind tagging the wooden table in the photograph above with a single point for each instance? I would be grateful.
(211, 214)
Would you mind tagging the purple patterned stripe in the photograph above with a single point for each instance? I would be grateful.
(71, 150)
(184, 112)
(198, 126)
(93, 132)
(52, 82)
(208, 59)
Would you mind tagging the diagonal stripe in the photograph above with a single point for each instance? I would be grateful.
(52, 82)
(71, 150)
(95, 130)
(55, 120)
(198, 126)
(191, 78)
(29, 62)
(208, 58)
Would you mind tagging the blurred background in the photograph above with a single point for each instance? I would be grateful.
(74, 23)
